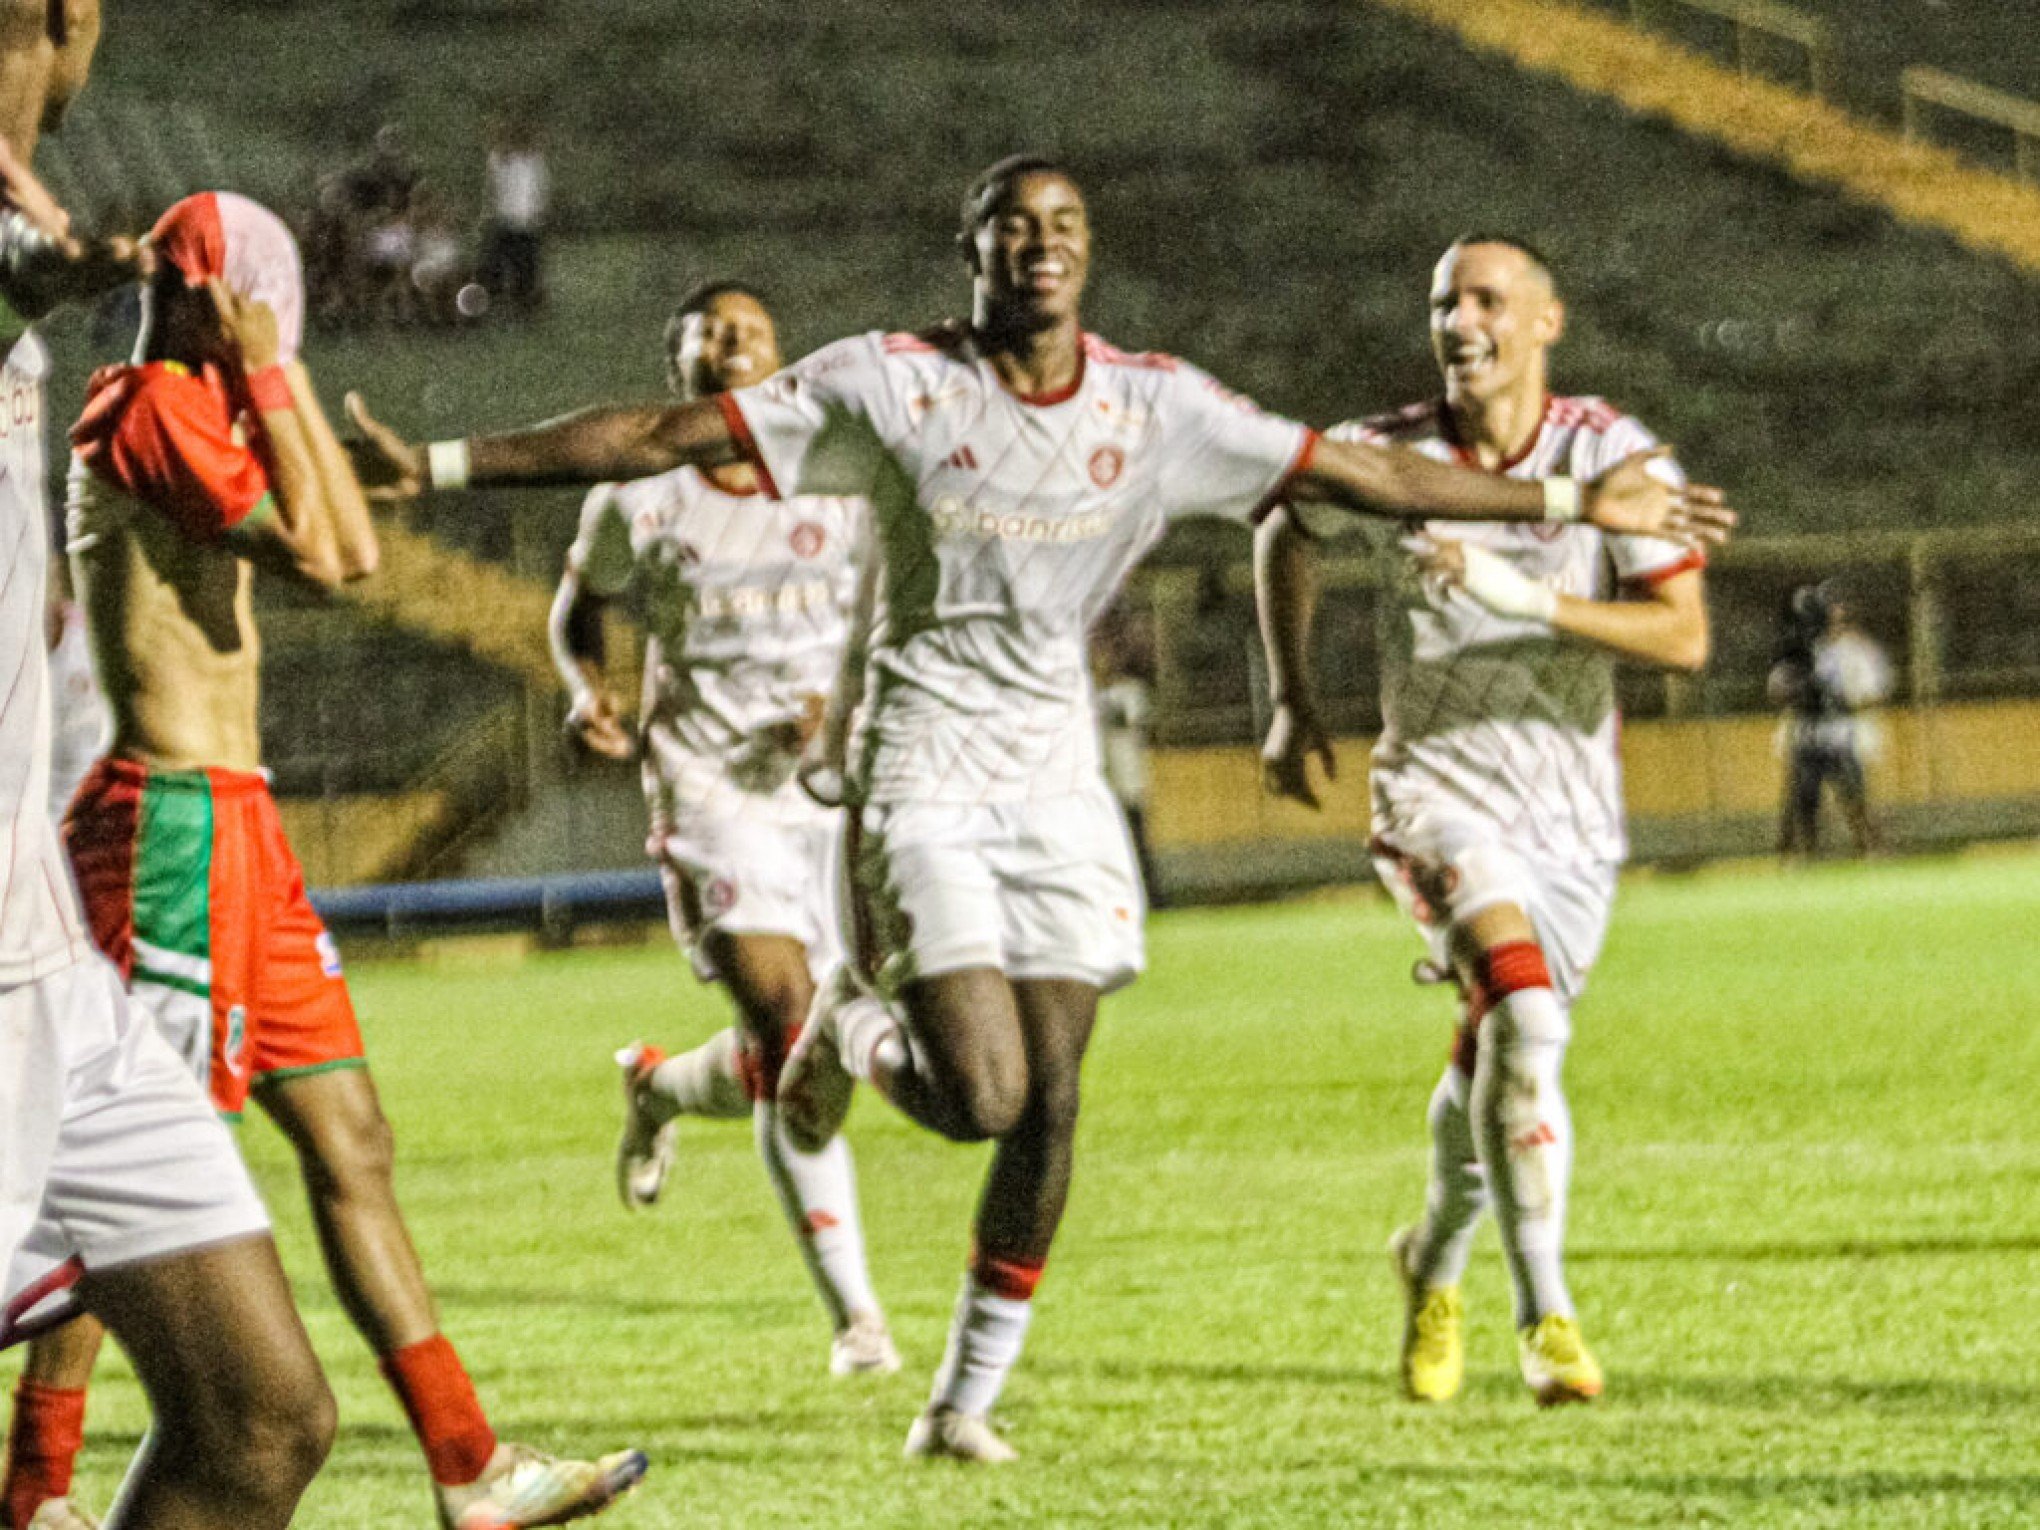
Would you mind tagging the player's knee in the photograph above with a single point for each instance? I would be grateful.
(987, 1100)
(290, 1440)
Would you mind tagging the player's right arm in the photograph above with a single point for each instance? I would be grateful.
(595, 717)
(589, 446)
(1285, 595)
(807, 428)
(354, 539)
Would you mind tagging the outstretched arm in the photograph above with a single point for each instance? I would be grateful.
(1285, 594)
(43, 260)
(596, 445)
(1381, 480)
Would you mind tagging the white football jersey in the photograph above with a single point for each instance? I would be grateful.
(1497, 717)
(1006, 524)
(747, 604)
(82, 722)
(40, 931)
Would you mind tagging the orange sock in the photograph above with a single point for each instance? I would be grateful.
(42, 1445)
(445, 1414)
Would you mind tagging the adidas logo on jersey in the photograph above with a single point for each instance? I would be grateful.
(962, 458)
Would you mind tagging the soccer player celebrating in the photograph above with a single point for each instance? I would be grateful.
(120, 1192)
(208, 456)
(749, 604)
(1018, 467)
(1497, 793)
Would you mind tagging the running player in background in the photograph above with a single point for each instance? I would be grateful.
(207, 457)
(1497, 791)
(120, 1192)
(1018, 467)
(748, 604)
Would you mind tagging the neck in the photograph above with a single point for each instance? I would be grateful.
(1499, 428)
(1030, 359)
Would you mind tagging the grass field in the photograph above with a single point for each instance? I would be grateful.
(1806, 1239)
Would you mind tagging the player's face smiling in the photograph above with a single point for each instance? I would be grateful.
(730, 343)
(1033, 249)
(1493, 317)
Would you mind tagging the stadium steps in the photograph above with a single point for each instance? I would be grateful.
(1932, 187)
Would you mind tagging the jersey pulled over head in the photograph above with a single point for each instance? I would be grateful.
(221, 234)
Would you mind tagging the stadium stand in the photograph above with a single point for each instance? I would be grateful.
(1272, 190)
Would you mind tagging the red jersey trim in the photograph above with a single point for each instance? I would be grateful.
(1306, 454)
(1651, 578)
(746, 443)
(1105, 352)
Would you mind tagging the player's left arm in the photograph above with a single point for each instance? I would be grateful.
(1374, 479)
(824, 772)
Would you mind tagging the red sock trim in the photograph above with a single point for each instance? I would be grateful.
(42, 1447)
(1014, 1279)
(445, 1414)
(1511, 967)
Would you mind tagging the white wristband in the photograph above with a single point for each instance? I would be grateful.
(446, 465)
(1504, 590)
(1562, 499)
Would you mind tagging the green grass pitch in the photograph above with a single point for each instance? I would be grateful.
(1805, 1239)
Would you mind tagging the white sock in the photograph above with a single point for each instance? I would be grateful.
(1457, 1194)
(706, 1081)
(870, 1039)
(818, 1192)
(1523, 1132)
(984, 1340)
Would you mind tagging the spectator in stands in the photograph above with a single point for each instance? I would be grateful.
(520, 196)
(1828, 673)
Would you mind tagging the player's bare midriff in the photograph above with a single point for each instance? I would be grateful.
(173, 625)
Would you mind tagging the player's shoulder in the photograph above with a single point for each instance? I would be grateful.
(1395, 427)
(1591, 413)
(1098, 351)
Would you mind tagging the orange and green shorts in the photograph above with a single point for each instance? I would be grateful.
(193, 892)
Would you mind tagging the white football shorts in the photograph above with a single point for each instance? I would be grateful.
(112, 1154)
(1445, 867)
(747, 864)
(1045, 888)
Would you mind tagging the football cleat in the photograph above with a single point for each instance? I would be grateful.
(644, 1153)
(814, 1086)
(1555, 1362)
(863, 1347)
(1433, 1348)
(526, 1487)
(944, 1434)
(60, 1514)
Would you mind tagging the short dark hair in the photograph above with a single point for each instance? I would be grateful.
(989, 189)
(697, 298)
(1523, 247)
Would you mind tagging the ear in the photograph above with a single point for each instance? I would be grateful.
(1552, 325)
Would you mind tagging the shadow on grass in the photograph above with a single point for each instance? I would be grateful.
(1787, 1253)
(1627, 1389)
(1829, 1488)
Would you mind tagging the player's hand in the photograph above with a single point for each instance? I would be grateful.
(389, 467)
(596, 723)
(1294, 737)
(1630, 498)
(1451, 567)
(249, 326)
(22, 191)
(75, 266)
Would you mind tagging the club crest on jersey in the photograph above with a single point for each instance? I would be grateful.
(807, 539)
(718, 897)
(1107, 463)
